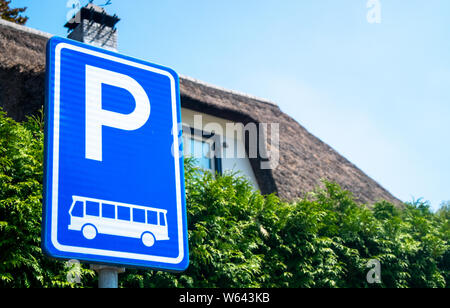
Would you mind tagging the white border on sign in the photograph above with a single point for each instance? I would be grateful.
(55, 167)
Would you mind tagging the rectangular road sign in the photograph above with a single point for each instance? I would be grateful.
(114, 178)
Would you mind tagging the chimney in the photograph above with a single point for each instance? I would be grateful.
(92, 25)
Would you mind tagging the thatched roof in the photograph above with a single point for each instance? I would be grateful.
(304, 159)
(22, 66)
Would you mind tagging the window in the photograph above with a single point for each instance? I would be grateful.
(92, 209)
(123, 213)
(152, 218)
(201, 151)
(77, 210)
(139, 216)
(108, 211)
(162, 219)
(203, 148)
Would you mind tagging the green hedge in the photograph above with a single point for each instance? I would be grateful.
(238, 238)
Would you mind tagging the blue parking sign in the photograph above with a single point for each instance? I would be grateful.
(114, 178)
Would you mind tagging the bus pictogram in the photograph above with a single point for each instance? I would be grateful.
(94, 216)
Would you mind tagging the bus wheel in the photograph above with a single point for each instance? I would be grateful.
(148, 239)
(89, 232)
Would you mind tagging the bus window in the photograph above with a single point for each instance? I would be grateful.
(152, 218)
(162, 219)
(123, 213)
(77, 210)
(139, 216)
(92, 209)
(108, 211)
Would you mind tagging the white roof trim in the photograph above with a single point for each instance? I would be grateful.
(228, 90)
(24, 29)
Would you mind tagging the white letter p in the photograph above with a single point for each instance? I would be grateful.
(97, 117)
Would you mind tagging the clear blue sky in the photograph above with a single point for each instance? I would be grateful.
(377, 93)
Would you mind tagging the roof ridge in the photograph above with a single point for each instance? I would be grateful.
(203, 83)
(209, 85)
(24, 28)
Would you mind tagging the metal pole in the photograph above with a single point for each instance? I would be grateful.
(108, 276)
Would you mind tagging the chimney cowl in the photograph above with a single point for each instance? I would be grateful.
(93, 25)
(94, 13)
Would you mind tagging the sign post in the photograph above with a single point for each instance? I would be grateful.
(114, 177)
(108, 276)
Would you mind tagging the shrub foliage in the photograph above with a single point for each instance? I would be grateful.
(237, 237)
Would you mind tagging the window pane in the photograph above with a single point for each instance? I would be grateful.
(77, 210)
(200, 150)
(123, 213)
(152, 218)
(162, 219)
(139, 215)
(92, 208)
(108, 211)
